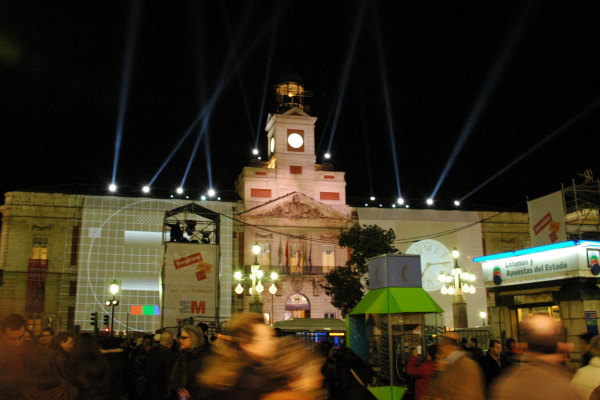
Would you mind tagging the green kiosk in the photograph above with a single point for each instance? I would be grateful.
(396, 317)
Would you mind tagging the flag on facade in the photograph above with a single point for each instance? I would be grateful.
(287, 253)
(310, 255)
(280, 254)
(304, 257)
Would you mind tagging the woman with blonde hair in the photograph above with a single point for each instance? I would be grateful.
(193, 351)
(236, 367)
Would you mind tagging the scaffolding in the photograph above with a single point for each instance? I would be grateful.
(582, 208)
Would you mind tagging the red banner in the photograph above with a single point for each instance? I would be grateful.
(36, 285)
(186, 261)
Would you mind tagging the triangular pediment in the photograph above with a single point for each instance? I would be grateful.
(295, 206)
(296, 111)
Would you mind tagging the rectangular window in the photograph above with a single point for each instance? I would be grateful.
(330, 196)
(261, 173)
(260, 192)
(40, 248)
(264, 258)
(329, 177)
(328, 257)
(295, 169)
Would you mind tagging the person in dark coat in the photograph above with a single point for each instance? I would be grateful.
(183, 383)
(43, 381)
(136, 381)
(355, 376)
(12, 349)
(61, 347)
(474, 350)
(493, 362)
(329, 370)
(88, 370)
(159, 364)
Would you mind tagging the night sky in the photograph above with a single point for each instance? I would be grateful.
(527, 67)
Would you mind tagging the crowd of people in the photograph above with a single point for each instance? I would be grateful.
(533, 369)
(251, 363)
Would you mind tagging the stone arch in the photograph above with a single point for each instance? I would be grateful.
(297, 305)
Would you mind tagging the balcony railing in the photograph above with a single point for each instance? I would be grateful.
(303, 270)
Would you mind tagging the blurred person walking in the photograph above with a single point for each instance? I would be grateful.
(193, 350)
(236, 367)
(423, 372)
(457, 376)
(159, 365)
(538, 373)
(587, 378)
(298, 370)
(585, 340)
(43, 380)
(88, 370)
(137, 386)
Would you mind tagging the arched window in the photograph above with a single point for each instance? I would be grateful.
(297, 306)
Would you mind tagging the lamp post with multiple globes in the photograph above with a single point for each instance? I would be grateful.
(256, 277)
(457, 284)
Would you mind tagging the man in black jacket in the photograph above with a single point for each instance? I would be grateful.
(159, 364)
(493, 362)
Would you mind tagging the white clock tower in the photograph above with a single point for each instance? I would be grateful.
(292, 163)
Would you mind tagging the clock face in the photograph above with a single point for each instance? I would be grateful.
(435, 258)
(295, 140)
(272, 145)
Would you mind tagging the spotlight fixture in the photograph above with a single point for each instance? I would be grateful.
(381, 205)
(429, 202)
(146, 189)
(456, 203)
(366, 205)
(259, 157)
(327, 156)
(219, 198)
(203, 197)
(179, 190)
(393, 206)
(211, 192)
(407, 206)
(112, 187)
(400, 200)
(372, 198)
(255, 152)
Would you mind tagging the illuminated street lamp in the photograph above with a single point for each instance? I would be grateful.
(483, 316)
(114, 289)
(457, 284)
(256, 277)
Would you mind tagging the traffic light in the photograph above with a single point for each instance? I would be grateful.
(94, 320)
(105, 319)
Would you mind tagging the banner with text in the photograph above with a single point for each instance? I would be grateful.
(547, 220)
(190, 281)
(549, 265)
